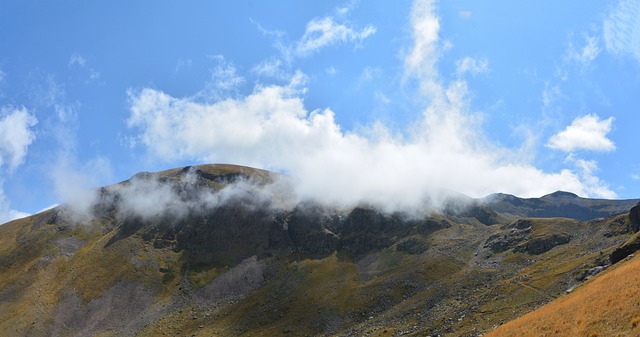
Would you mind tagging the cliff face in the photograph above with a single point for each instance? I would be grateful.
(212, 250)
(634, 216)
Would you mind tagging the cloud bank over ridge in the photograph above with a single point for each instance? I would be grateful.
(444, 150)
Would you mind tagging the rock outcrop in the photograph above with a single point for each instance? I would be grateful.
(633, 244)
(542, 243)
(520, 236)
(634, 217)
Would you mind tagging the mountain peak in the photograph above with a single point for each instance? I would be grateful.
(561, 194)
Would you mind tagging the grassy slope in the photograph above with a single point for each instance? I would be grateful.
(608, 305)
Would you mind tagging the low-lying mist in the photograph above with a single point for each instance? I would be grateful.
(154, 196)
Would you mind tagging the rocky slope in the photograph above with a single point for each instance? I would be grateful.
(607, 305)
(220, 250)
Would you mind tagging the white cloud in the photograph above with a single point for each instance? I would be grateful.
(420, 61)
(325, 32)
(74, 184)
(3, 75)
(471, 65)
(224, 74)
(585, 133)
(587, 169)
(621, 29)
(271, 128)
(7, 215)
(233, 124)
(15, 136)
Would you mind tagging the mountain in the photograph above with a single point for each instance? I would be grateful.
(557, 204)
(223, 250)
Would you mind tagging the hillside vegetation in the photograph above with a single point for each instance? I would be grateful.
(219, 250)
(608, 305)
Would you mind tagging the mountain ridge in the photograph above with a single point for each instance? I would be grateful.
(557, 204)
(218, 252)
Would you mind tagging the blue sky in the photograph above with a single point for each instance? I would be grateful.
(374, 100)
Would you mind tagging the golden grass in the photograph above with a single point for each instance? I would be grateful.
(608, 305)
(550, 225)
(8, 238)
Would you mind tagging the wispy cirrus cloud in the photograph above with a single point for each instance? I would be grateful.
(472, 66)
(324, 32)
(586, 54)
(587, 170)
(420, 62)
(272, 68)
(224, 79)
(182, 63)
(320, 33)
(70, 176)
(621, 29)
(587, 132)
(346, 8)
(77, 60)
